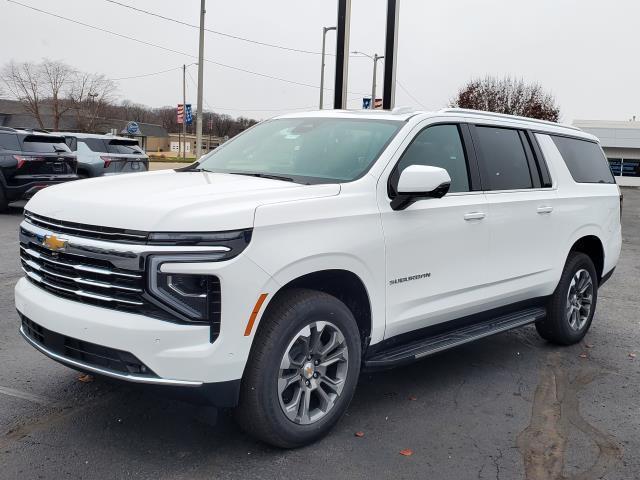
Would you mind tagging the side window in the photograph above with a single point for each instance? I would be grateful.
(437, 146)
(9, 141)
(503, 162)
(95, 144)
(584, 159)
(71, 143)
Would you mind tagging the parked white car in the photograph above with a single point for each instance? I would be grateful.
(100, 155)
(270, 273)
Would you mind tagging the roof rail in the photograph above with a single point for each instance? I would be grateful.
(482, 113)
(7, 129)
(37, 130)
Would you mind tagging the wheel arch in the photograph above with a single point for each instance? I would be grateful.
(345, 285)
(592, 246)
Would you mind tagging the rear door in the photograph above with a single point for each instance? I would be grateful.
(522, 213)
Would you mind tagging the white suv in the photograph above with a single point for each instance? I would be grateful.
(270, 273)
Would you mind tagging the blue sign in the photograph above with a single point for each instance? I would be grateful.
(133, 128)
(366, 103)
(189, 115)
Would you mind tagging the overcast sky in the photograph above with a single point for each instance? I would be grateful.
(586, 52)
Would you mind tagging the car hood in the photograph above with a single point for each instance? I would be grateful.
(169, 200)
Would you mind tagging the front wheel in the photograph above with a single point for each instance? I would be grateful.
(303, 370)
(573, 304)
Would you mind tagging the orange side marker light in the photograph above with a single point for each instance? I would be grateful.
(254, 314)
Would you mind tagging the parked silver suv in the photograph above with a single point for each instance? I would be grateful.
(106, 154)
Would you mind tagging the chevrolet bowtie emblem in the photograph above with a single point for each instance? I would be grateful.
(54, 243)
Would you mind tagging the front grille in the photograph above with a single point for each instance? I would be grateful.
(88, 280)
(119, 235)
(87, 353)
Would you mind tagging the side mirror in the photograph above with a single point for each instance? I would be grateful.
(420, 181)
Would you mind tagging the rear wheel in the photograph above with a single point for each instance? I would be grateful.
(303, 370)
(572, 306)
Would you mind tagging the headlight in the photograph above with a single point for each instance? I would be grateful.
(191, 297)
(235, 240)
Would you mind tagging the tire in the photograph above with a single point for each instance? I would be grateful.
(569, 318)
(4, 203)
(264, 402)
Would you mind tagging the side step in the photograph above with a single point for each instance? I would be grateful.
(422, 348)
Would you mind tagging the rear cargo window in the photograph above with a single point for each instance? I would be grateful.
(9, 141)
(94, 144)
(584, 159)
(124, 146)
(42, 144)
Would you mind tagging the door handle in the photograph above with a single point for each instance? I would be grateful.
(474, 216)
(545, 209)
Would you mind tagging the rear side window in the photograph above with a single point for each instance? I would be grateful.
(584, 159)
(94, 144)
(504, 163)
(124, 146)
(438, 146)
(42, 144)
(9, 141)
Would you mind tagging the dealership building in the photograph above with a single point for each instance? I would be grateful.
(621, 144)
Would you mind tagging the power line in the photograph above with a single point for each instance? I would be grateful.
(410, 96)
(150, 44)
(147, 74)
(228, 35)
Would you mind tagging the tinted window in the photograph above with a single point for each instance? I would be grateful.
(123, 146)
(585, 160)
(317, 149)
(41, 144)
(438, 146)
(94, 144)
(9, 141)
(504, 161)
(71, 143)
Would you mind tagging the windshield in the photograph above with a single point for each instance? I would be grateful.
(307, 150)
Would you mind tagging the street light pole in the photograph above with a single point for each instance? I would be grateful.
(373, 85)
(324, 41)
(200, 82)
(375, 59)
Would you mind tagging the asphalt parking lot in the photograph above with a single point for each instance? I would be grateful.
(507, 407)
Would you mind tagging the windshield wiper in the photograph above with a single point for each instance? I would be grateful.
(264, 175)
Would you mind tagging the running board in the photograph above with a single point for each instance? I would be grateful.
(419, 349)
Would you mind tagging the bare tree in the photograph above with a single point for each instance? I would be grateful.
(90, 95)
(508, 95)
(57, 79)
(24, 82)
(222, 124)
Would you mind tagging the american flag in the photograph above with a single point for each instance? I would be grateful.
(180, 112)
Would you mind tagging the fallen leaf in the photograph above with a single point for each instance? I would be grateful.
(359, 434)
(407, 452)
(85, 378)
(583, 355)
(632, 355)
(413, 398)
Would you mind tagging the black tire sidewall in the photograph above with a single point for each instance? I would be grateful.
(567, 335)
(263, 376)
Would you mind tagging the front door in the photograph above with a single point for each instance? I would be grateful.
(436, 249)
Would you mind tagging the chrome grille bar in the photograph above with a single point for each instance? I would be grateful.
(81, 293)
(63, 227)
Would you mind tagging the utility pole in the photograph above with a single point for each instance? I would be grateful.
(184, 112)
(200, 82)
(324, 41)
(376, 57)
